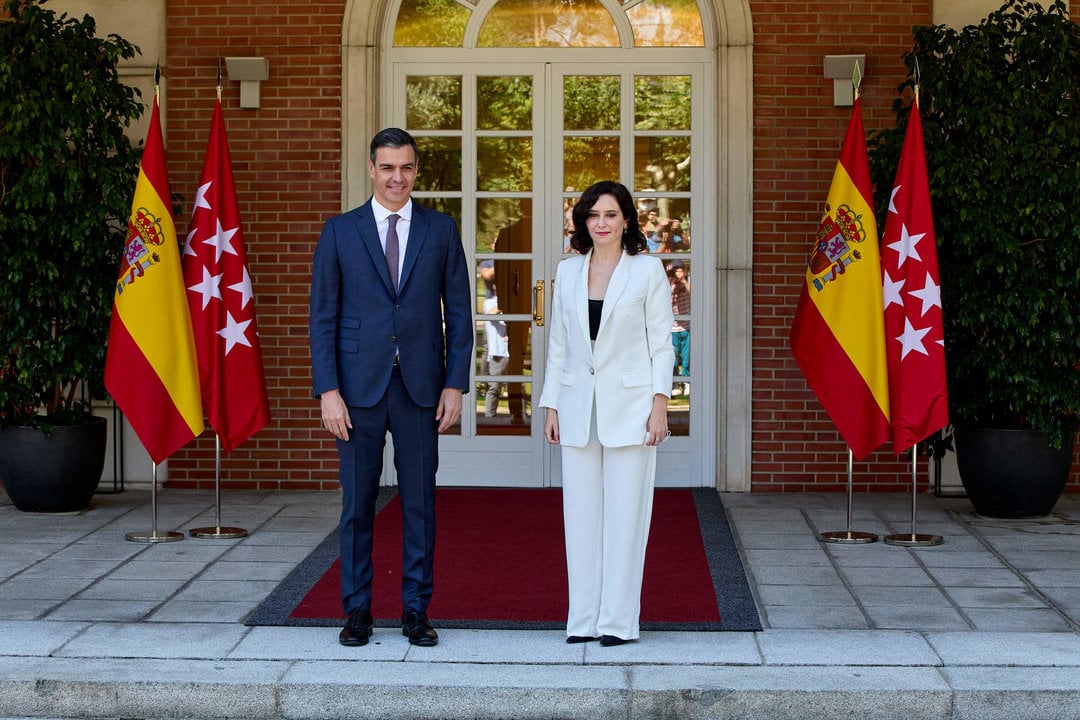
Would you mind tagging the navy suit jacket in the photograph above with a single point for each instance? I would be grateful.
(358, 323)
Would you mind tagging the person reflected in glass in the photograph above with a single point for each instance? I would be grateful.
(606, 389)
(496, 354)
(680, 329)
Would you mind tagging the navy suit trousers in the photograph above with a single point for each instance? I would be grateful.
(416, 444)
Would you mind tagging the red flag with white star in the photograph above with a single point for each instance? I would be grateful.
(911, 287)
(222, 303)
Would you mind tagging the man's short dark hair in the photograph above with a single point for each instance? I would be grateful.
(392, 138)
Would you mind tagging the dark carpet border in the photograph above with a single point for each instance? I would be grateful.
(734, 599)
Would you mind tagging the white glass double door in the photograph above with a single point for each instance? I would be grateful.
(506, 149)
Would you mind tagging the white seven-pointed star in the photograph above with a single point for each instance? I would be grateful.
(892, 198)
(912, 339)
(210, 287)
(906, 245)
(200, 198)
(188, 250)
(244, 288)
(891, 291)
(930, 294)
(234, 332)
(222, 241)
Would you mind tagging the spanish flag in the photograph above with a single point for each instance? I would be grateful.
(838, 335)
(151, 369)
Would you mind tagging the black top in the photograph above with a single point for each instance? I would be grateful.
(595, 308)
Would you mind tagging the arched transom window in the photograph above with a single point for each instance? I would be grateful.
(549, 23)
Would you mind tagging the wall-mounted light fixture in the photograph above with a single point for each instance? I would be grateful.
(840, 69)
(250, 71)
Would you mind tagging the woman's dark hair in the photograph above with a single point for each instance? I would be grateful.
(633, 240)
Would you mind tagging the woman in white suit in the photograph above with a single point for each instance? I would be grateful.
(606, 389)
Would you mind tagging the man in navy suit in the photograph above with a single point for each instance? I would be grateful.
(391, 345)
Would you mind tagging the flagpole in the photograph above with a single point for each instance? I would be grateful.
(913, 539)
(849, 536)
(221, 533)
(153, 536)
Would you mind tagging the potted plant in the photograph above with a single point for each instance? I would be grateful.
(1000, 104)
(67, 170)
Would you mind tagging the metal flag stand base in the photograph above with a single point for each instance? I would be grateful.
(849, 536)
(913, 539)
(223, 533)
(153, 536)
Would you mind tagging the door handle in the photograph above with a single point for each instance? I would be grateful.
(538, 303)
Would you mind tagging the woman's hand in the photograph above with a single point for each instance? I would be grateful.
(656, 426)
(551, 426)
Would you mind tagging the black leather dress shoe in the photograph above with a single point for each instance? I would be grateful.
(415, 626)
(609, 640)
(575, 639)
(357, 628)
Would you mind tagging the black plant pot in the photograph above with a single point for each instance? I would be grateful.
(1011, 473)
(58, 472)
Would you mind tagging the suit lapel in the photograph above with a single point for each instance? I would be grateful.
(620, 276)
(369, 238)
(581, 298)
(418, 230)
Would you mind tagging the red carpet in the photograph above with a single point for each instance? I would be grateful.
(500, 557)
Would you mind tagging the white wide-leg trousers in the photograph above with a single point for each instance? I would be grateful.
(607, 508)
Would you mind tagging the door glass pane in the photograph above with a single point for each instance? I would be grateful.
(666, 23)
(504, 225)
(450, 206)
(440, 164)
(662, 102)
(433, 102)
(678, 272)
(504, 103)
(666, 224)
(431, 23)
(503, 371)
(504, 164)
(662, 163)
(587, 160)
(548, 23)
(591, 102)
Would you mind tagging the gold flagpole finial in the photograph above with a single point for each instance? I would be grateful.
(219, 79)
(918, 81)
(856, 79)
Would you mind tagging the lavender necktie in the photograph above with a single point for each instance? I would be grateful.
(392, 250)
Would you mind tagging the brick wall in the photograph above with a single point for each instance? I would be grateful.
(287, 168)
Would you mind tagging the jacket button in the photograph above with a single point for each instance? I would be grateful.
(592, 371)
(393, 338)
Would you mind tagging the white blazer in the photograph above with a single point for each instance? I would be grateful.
(631, 361)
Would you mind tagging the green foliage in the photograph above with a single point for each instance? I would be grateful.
(1001, 120)
(67, 172)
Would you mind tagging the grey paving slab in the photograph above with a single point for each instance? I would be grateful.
(263, 570)
(126, 590)
(311, 643)
(996, 597)
(34, 638)
(679, 648)
(1043, 693)
(875, 576)
(25, 609)
(155, 640)
(307, 539)
(258, 553)
(453, 692)
(1001, 648)
(1056, 578)
(736, 693)
(914, 617)
(873, 555)
(976, 577)
(84, 550)
(546, 647)
(210, 590)
(785, 575)
(137, 688)
(900, 596)
(846, 647)
(158, 570)
(220, 611)
(762, 541)
(1019, 619)
(121, 611)
(25, 588)
(962, 559)
(788, 558)
(810, 595)
(789, 617)
(64, 568)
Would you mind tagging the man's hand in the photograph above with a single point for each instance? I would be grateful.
(335, 416)
(449, 410)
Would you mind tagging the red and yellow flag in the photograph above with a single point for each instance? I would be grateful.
(151, 369)
(912, 297)
(222, 301)
(838, 335)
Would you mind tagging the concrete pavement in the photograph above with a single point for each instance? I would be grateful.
(987, 625)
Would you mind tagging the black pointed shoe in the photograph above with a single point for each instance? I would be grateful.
(576, 639)
(357, 628)
(610, 640)
(415, 626)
